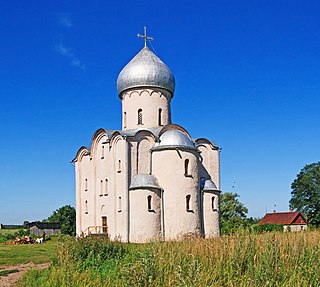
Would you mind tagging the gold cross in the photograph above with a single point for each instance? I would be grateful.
(144, 36)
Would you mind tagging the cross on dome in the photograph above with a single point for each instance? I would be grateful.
(144, 36)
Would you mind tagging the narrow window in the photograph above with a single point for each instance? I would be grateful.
(102, 152)
(86, 207)
(119, 165)
(119, 204)
(101, 187)
(160, 117)
(188, 197)
(140, 117)
(149, 202)
(212, 203)
(124, 119)
(86, 184)
(186, 167)
(106, 187)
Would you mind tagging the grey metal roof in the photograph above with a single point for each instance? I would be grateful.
(145, 70)
(132, 132)
(144, 180)
(209, 185)
(175, 138)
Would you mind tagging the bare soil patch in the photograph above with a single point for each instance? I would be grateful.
(11, 279)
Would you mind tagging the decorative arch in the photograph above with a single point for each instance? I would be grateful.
(206, 143)
(83, 151)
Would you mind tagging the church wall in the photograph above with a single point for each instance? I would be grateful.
(121, 204)
(86, 191)
(211, 162)
(145, 215)
(149, 101)
(169, 167)
(209, 169)
(211, 213)
(103, 169)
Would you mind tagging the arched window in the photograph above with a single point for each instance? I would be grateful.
(101, 187)
(102, 152)
(160, 117)
(212, 203)
(140, 117)
(149, 202)
(186, 167)
(124, 119)
(188, 207)
(106, 187)
(86, 184)
(86, 207)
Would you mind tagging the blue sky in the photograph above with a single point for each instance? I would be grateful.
(247, 76)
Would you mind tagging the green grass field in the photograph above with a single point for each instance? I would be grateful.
(24, 253)
(245, 260)
(10, 231)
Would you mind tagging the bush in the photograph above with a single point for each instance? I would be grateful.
(267, 228)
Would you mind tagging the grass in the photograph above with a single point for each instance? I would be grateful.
(25, 253)
(270, 259)
(10, 231)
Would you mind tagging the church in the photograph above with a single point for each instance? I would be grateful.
(150, 180)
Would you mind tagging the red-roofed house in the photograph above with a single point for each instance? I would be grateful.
(295, 220)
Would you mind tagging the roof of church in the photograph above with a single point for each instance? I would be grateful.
(145, 70)
(144, 181)
(283, 218)
(210, 185)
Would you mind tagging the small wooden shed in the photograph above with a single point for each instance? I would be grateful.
(50, 228)
(293, 221)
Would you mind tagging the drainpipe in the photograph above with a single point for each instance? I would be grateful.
(127, 188)
(150, 167)
(162, 215)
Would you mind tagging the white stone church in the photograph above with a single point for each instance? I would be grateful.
(150, 180)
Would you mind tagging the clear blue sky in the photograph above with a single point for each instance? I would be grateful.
(247, 76)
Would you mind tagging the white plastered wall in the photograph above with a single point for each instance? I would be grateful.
(145, 224)
(149, 101)
(210, 169)
(168, 167)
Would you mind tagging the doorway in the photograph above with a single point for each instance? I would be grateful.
(104, 224)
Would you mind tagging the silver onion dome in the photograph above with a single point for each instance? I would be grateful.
(144, 181)
(145, 70)
(175, 138)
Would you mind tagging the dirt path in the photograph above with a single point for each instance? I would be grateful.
(11, 279)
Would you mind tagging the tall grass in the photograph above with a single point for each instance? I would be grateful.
(271, 259)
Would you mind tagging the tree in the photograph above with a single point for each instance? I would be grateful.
(25, 224)
(306, 193)
(66, 215)
(233, 213)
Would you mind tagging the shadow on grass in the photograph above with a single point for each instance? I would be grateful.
(7, 272)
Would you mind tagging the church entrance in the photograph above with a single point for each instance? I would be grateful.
(104, 225)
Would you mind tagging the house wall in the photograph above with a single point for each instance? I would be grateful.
(48, 231)
(295, 227)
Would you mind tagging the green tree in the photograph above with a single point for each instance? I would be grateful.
(66, 215)
(233, 213)
(306, 193)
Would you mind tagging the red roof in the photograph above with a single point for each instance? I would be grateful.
(287, 218)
